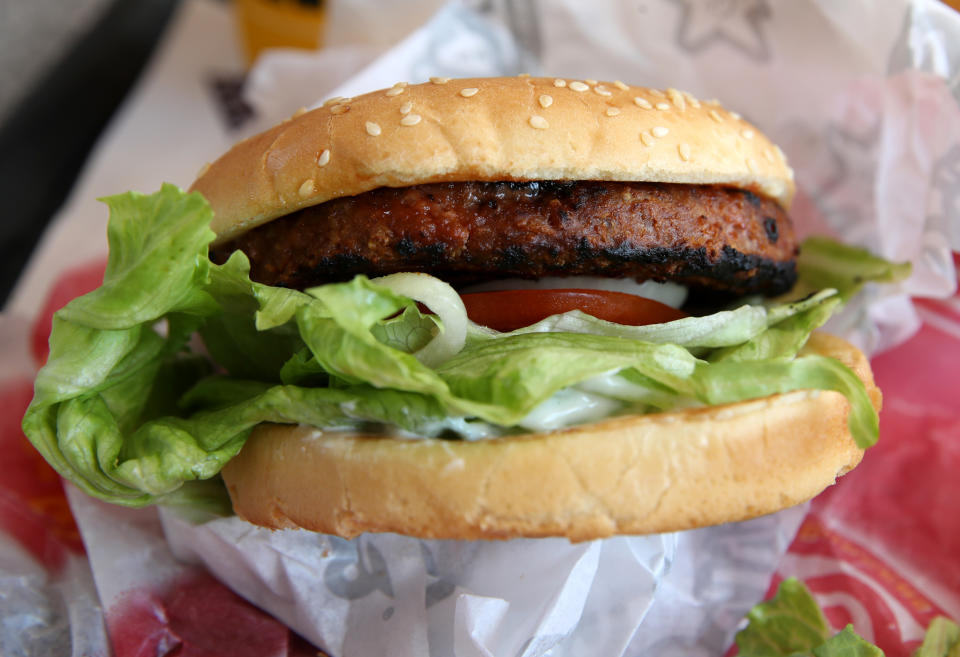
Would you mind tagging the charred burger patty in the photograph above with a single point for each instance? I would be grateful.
(702, 236)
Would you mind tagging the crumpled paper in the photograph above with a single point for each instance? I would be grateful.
(385, 593)
(869, 120)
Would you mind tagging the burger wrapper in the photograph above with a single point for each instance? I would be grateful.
(863, 97)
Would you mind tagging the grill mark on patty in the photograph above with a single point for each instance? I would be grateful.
(713, 237)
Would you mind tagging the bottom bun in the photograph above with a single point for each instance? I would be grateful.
(636, 474)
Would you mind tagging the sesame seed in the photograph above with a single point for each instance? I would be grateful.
(373, 129)
(736, 117)
(647, 139)
(203, 170)
(677, 99)
(746, 133)
(620, 85)
(590, 81)
(576, 85)
(337, 99)
(523, 75)
(300, 112)
(539, 122)
(324, 158)
(468, 92)
(602, 90)
(410, 119)
(559, 83)
(751, 164)
(769, 155)
(406, 107)
(612, 111)
(715, 115)
(340, 109)
(439, 80)
(684, 150)
(790, 173)
(545, 101)
(306, 189)
(657, 92)
(395, 90)
(662, 106)
(779, 152)
(660, 131)
(691, 99)
(642, 102)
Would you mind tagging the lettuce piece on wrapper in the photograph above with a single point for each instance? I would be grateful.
(110, 414)
(792, 624)
(941, 640)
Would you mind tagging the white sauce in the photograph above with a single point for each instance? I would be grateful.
(568, 407)
(670, 294)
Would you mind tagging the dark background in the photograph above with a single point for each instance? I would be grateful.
(46, 137)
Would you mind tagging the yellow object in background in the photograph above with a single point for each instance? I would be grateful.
(279, 24)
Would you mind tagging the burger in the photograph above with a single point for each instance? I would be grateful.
(472, 309)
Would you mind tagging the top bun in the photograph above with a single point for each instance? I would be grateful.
(488, 129)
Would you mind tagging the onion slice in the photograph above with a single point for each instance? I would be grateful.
(444, 302)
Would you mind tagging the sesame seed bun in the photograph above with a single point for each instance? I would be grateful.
(625, 475)
(492, 129)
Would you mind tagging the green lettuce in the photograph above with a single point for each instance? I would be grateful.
(941, 640)
(791, 624)
(825, 263)
(133, 409)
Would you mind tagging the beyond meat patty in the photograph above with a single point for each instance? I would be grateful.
(701, 236)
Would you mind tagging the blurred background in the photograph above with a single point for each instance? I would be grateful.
(65, 67)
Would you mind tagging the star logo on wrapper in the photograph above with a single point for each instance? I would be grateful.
(836, 166)
(846, 195)
(358, 568)
(733, 23)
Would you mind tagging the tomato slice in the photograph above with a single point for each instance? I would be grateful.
(509, 310)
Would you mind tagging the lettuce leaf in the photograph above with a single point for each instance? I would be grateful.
(825, 263)
(941, 640)
(107, 411)
(792, 624)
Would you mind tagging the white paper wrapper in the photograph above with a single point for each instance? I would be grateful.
(679, 594)
(863, 96)
(44, 613)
